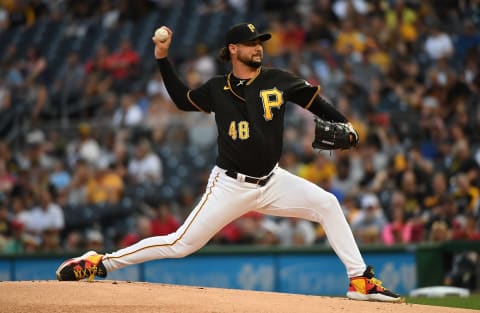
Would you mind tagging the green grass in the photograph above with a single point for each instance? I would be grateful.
(471, 302)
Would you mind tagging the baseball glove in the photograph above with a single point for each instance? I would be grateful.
(334, 135)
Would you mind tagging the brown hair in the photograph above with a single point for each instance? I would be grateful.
(224, 55)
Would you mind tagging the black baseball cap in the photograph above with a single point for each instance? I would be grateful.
(244, 32)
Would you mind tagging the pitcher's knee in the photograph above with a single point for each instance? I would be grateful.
(330, 202)
(182, 249)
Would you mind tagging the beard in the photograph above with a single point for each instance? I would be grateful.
(249, 61)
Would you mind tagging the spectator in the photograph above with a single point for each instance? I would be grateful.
(395, 232)
(202, 132)
(344, 180)
(439, 232)
(212, 6)
(40, 9)
(468, 41)
(364, 71)
(379, 57)
(77, 188)
(4, 19)
(230, 234)
(145, 166)
(69, 84)
(21, 14)
(467, 228)
(295, 232)
(438, 44)
(7, 180)
(73, 242)
(462, 161)
(438, 191)
(110, 14)
(372, 180)
(5, 97)
(369, 222)
(319, 170)
(104, 185)
(440, 75)
(466, 195)
(318, 32)
(20, 213)
(60, 177)
(268, 233)
(204, 64)
(289, 161)
(413, 193)
(5, 223)
(14, 79)
(350, 208)
(157, 117)
(163, 221)
(143, 229)
(15, 243)
(80, 13)
(85, 146)
(346, 9)
(50, 241)
(156, 87)
(402, 19)
(128, 114)
(123, 66)
(94, 240)
(99, 79)
(36, 161)
(56, 144)
(248, 225)
(36, 79)
(349, 41)
(46, 215)
(293, 37)
(108, 104)
(274, 48)
(355, 94)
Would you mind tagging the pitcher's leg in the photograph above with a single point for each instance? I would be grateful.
(217, 208)
(291, 196)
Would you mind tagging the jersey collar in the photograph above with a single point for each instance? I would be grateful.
(229, 85)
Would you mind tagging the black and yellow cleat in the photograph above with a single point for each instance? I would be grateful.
(87, 266)
(369, 288)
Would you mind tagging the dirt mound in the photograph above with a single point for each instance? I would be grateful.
(110, 296)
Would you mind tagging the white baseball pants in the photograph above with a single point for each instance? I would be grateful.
(225, 199)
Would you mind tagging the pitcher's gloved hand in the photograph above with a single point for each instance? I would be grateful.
(334, 135)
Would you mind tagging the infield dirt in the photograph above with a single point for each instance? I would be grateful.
(111, 296)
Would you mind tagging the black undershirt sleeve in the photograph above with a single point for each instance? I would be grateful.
(322, 108)
(309, 98)
(177, 90)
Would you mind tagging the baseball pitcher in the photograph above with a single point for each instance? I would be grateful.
(249, 106)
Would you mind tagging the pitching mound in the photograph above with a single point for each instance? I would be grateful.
(111, 296)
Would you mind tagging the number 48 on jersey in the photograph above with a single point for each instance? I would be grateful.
(239, 130)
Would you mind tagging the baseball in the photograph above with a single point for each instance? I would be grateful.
(161, 34)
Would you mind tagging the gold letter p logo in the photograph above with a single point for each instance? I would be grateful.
(271, 98)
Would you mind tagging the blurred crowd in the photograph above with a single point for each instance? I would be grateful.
(405, 73)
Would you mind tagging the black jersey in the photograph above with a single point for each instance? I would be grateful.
(249, 114)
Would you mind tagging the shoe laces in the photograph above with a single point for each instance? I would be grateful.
(85, 271)
(377, 282)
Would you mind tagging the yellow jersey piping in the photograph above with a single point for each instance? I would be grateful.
(194, 104)
(311, 100)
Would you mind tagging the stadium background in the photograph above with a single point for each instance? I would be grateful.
(94, 155)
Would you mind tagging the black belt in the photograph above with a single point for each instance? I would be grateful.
(249, 179)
